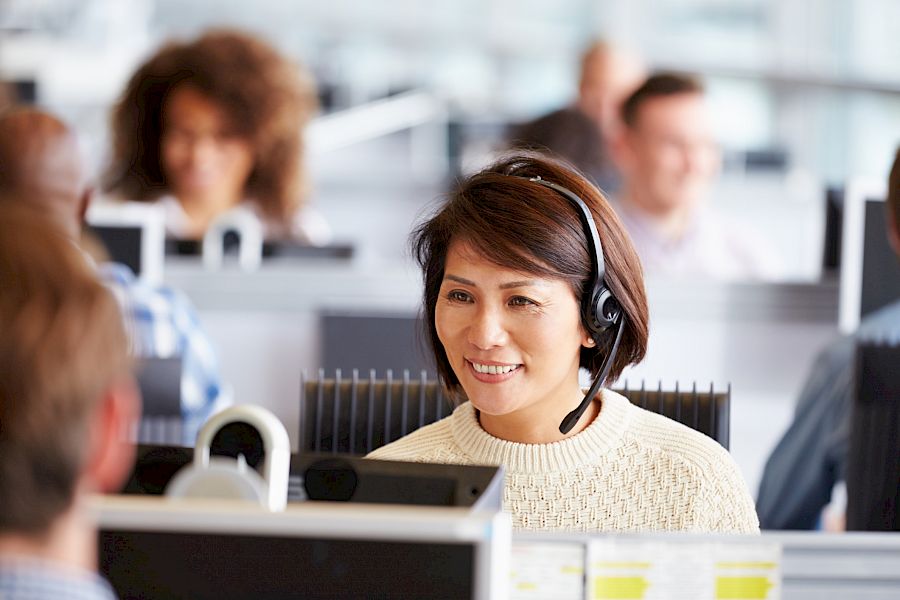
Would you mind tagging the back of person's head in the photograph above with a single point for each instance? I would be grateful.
(659, 85)
(893, 204)
(608, 74)
(63, 354)
(265, 98)
(527, 227)
(41, 166)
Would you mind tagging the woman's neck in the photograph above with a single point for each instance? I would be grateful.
(202, 209)
(528, 428)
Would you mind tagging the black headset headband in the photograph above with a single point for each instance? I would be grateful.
(599, 308)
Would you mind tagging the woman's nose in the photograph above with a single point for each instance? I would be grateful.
(487, 329)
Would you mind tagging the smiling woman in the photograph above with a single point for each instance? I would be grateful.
(518, 296)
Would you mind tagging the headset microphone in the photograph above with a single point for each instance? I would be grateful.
(599, 308)
(570, 419)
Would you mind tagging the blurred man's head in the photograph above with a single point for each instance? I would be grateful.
(666, 151)
(893, 204)
(67, 398)
(41, 166)
(608, 75)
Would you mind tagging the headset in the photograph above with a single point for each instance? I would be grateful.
(599, 308)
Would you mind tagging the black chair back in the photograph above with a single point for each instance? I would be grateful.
(355, 415)
(873, 464)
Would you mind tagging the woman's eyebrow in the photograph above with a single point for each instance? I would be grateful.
(461, 280)
(503, 286)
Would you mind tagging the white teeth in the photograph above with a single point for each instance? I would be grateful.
(494, 369)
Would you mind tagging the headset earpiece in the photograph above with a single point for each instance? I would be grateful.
(603, 311)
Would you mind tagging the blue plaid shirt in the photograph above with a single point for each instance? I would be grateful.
(161, 322)
(26, 578)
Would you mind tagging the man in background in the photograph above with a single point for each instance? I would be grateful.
(41, 168)
(67, 404)
(668, 157)
(811, 457)
(580, 133)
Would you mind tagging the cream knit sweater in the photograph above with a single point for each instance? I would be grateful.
(629, 470)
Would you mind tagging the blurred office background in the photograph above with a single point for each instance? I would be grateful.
(806, 96)
(805, 92)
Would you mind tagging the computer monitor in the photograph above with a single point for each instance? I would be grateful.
(133, 234)
(834, 216)
(870, 270)
(380, 341)
(270, 249)
(153, 548)
(343, 478)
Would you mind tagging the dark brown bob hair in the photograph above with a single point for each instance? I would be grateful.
(266, 98)
(521, 225)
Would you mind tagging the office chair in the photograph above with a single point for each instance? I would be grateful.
(873, 462)
(356, 415)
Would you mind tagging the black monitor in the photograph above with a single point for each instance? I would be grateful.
(873, 465)
(345, 479)
(870, 270)
(151, 548)
(270, 248)
(380, 341)
(834, 216)
(881, 267)
(132, 234)
(159, 380)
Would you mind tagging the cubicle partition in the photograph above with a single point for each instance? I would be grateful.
(772, 566)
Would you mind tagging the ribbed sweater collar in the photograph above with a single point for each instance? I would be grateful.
(602, 435)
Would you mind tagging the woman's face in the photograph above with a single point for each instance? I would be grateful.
(202, 156)
(513, 339)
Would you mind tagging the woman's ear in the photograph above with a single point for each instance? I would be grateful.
(588, 341)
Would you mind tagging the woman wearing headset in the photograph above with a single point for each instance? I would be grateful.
(529, 275)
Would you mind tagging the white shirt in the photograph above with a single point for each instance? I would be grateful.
(308, 225)
(709, 248)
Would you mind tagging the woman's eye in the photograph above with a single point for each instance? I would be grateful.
(521, 301)
(458, 296)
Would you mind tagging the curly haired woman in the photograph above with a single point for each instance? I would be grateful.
(215, 123)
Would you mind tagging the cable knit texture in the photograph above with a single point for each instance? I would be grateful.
(629, 470)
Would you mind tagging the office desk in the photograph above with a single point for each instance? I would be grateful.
(761, 338)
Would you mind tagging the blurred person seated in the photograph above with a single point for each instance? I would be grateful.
(529, 276)
(68, 402)
(669, 159)
(41, 167)
(580, 133)
(215, 125)
(811, 457)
